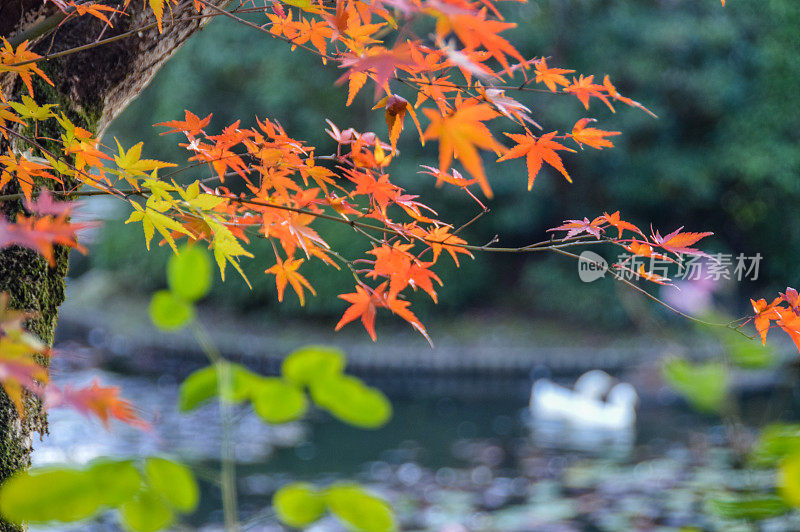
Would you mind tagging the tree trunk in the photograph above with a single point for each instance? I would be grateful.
(92, 87)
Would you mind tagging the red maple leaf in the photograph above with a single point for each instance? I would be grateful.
(537, 150)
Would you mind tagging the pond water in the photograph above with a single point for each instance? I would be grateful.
(445, 464)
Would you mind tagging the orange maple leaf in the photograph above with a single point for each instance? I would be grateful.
(475, 30)
(102, 401)
(40, 234)
(441, 239)
(9, 56)
(551, 77)
(24, 170)
(364, 304)
(459, 134)
(286, 272)
(596, 138)
(584, 88)
(765, 312)
(537, 151)
(191, 125)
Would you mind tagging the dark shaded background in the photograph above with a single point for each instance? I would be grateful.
(723, 156)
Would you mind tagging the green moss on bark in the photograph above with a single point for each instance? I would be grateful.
(35, 286)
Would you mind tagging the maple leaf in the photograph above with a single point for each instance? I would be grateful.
(46, 206)
(11, 116)
(131, 164)
(652, 277)
(551, 77)
(576, 227)
(191, 125)
(475, 30)
(18, 368)
(508, 106)
(31, 110)
(286, 272)
(621, 225)
(765, 313)
(153, 220)
(790, 323)
(379, 63)
(21, 374)
(584, 88)
(24, 170)
(454, 178)
(158, 10)
(612, 92)
(792, 298)
(101, 401)
(596, 138)
(459, 134)
(402, 269)
(537, 150)
(80, 143)
(396, 108)
(364, 303)
(440, 238)
(9, 56)
(95, 10)
(678, 242)
(39, 234)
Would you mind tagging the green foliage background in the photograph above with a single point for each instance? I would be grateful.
(723, 156)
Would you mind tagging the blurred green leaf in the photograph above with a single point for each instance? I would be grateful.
(352, 401)
(789, 479)
(277, 401)
(298, 504)
(189, 273)
(115, 481)
(202, 385)
(360, 510)
(312, 362)
(774, 443)
(51, 494)
(174, 482)
(703, 384)
(750, 508)
(170, 312)
(147, 512)
(742, 351)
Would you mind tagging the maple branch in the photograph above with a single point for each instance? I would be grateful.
(115, 38)
(264, 30)
(641, 290)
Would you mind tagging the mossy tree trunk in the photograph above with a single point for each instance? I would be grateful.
(91, 87)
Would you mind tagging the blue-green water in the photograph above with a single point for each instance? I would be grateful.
(447, 463)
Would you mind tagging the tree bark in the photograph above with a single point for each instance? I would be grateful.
(91, 87)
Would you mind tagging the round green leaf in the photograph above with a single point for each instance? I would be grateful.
(174, 482)
(353, 402)
(115, 481)
(312, 362)
(202, 385)
(146, 512)
(298, 504)
(360, 510)
(53, 494)
(189, 273)
(170, 312)
(277, 401)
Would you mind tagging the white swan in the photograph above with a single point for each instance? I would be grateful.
(584, 407)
